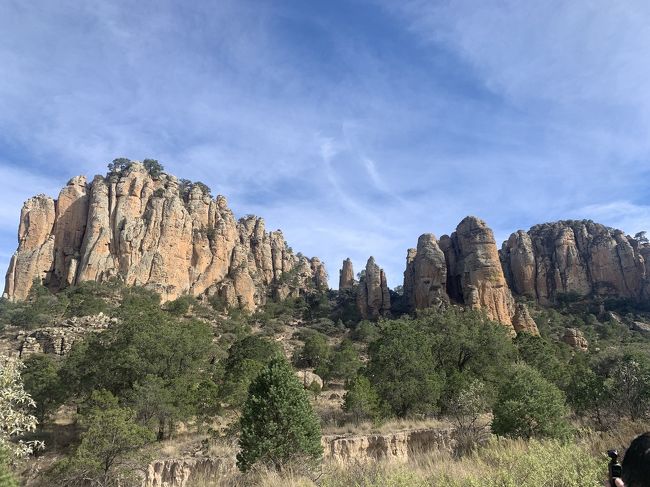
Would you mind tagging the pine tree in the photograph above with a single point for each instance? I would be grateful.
(278, 424)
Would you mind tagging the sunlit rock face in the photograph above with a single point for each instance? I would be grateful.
(581, 258)
(141, 230)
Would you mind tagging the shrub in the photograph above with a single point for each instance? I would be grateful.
(529, 406)
(361, 400)
(278, 425)
(43, 385)
(401, 369)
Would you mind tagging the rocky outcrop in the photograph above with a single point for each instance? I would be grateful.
(575, 257)
(307, 377)
(397, 446)
(346, 276)
(474, 274)
(575, 339)
(373, 297)
(522, 322)
(58, 338)
(183, 472)
(425, 277)
(149, 231)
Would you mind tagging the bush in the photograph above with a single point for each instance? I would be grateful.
(42, 384)
(529, 406)
(401, 369)
(361, 400)
(278, 424)
(107, 454)
(315, 351)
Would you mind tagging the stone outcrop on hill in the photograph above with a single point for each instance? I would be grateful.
(346, 276)
(475, 276)
(183, 472)
(464, 268)
(522, 322)
(425, 277)
(575, 339)
(576, 257)
(373, 297)
(149, 231)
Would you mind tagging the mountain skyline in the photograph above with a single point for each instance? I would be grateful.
(352, 126)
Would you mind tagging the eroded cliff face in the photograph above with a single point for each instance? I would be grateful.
(373, 297)
(346, 276)
(579, 257)
(463, 267)
(140, 229)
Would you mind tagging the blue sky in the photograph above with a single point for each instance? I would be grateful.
(354, 126)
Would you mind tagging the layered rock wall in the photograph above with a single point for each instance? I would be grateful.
(140, 229)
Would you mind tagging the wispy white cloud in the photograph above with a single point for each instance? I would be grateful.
(353, 126)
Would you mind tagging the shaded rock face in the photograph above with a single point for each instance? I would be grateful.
(575, 339)
(140, 229)
(577, 257)
(373, 297)
(346, 276)
(425, 277)
(474, 274)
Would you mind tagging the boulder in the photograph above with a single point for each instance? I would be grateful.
(575, 339)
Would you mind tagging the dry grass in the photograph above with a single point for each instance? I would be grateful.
(389, 426)
(501, 463)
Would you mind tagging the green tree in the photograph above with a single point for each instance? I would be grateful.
(529, 406)
(15, 411)
(315, 351)
(108, 452)
(344, 362)
(246, 358)
(401, 369)
(153, 167)
(119, 165)
(361, 400)
(546, 357)
(42, 383)
(278, 424)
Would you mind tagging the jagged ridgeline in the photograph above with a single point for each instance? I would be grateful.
(549, 264)
(145, 227)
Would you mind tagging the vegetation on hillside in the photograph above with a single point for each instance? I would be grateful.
(191, 366)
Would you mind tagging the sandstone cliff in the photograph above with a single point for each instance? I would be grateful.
(464, 268)
(575, 257)
(346, 276)
(373, 297)
(156, 232)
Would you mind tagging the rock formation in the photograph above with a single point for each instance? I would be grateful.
(474, 274)
(522, 322)
(397, 447)
(182, 472)
(150, 231)
(575, 257)
(346, 276)
(373, 298)
(575, 339)
(425, 277)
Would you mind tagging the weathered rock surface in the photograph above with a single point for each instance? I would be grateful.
(346, 276)
(474, 274)
(141, 229)
(307, 377)
(59, 338)
(397, 446)
(577, 257)
(575, 339)
(522, 322)
(183, 472)
(425, 277)
(373, 297)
